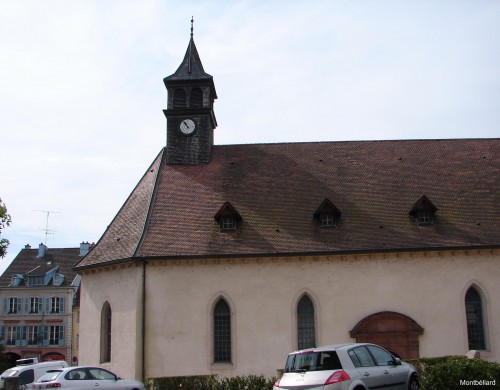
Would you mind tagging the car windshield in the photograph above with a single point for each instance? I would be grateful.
(313, 361)
(10, 372)
(49, 376)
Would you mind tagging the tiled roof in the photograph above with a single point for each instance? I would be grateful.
(277, 188)
(27, 263)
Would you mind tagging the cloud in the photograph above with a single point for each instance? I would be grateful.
(81, 91)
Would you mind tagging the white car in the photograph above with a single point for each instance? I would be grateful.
(29, 370)
(83, 377)
(355, 366)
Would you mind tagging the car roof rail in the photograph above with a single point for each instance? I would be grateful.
(27, 361)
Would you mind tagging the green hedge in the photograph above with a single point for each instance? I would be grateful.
(181, 382)
(457, 372)
(211, 382)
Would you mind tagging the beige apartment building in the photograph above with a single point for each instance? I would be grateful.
(38, 291)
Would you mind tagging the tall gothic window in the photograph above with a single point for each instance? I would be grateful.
(106, 333)
(306, 334)
(474, 314)
(222, 332)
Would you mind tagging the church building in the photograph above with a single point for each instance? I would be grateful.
(225, 258)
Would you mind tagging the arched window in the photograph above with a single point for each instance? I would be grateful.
(222, 332)
(306, 334)
(179, 98)
(475, 324)
(196, 98)
(106, 333)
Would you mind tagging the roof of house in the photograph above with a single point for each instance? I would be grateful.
(277, 190)
(55, 260)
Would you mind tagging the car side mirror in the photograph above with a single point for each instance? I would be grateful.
(397, 361)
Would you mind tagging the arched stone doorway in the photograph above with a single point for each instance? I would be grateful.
(394, 331)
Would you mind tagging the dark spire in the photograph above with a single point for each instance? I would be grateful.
(191, 67)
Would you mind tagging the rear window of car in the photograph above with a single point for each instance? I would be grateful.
(313, 361)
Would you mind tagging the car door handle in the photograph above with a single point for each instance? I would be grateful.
(367, 374)
(386, 372)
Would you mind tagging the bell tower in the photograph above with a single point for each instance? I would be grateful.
(190, 114)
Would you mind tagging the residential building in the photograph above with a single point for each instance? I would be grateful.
(224, 258)
(38, 291)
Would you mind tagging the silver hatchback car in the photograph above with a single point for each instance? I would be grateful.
(83, 377)
(355, 366)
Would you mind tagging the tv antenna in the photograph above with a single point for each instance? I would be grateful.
(47, 230)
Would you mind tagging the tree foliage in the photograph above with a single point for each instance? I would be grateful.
(4, 221)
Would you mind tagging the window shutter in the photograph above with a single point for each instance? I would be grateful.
(61, 305)
(24, 338)
(19, 335)
(47, 306)
(19, 305)
(2, 334)
(45, 335)
(61, 336)
(26, 305)
(39, 335)
(40, 305)
(6, 306)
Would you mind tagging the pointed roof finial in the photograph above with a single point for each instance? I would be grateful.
(192, 21)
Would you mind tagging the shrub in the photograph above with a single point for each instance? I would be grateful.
(457, 372)
(211, 382)
(200, 382)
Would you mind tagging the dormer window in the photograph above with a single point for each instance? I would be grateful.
(228, 223)
(58, 279)
(327, 214)
(424, 217)
(35, 280)
(423, 211)
(227, 217)
(327, 220)
(16, 280)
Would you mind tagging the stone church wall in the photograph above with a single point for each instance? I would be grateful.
(263, 295)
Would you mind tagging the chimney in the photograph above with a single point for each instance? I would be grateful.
(41, 250)
(27, 246)
(84, 248)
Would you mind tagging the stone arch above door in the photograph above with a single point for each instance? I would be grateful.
(394, 331)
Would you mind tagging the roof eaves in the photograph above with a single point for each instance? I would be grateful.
(150, 207)
(324, 253)
(110, 263)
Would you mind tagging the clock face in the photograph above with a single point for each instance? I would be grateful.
(187, 126)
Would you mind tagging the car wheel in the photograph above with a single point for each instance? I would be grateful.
(413, 385)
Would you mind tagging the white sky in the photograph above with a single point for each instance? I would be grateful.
(81, 90)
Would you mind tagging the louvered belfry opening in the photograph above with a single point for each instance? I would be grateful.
(179, 98)
(196, 98)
